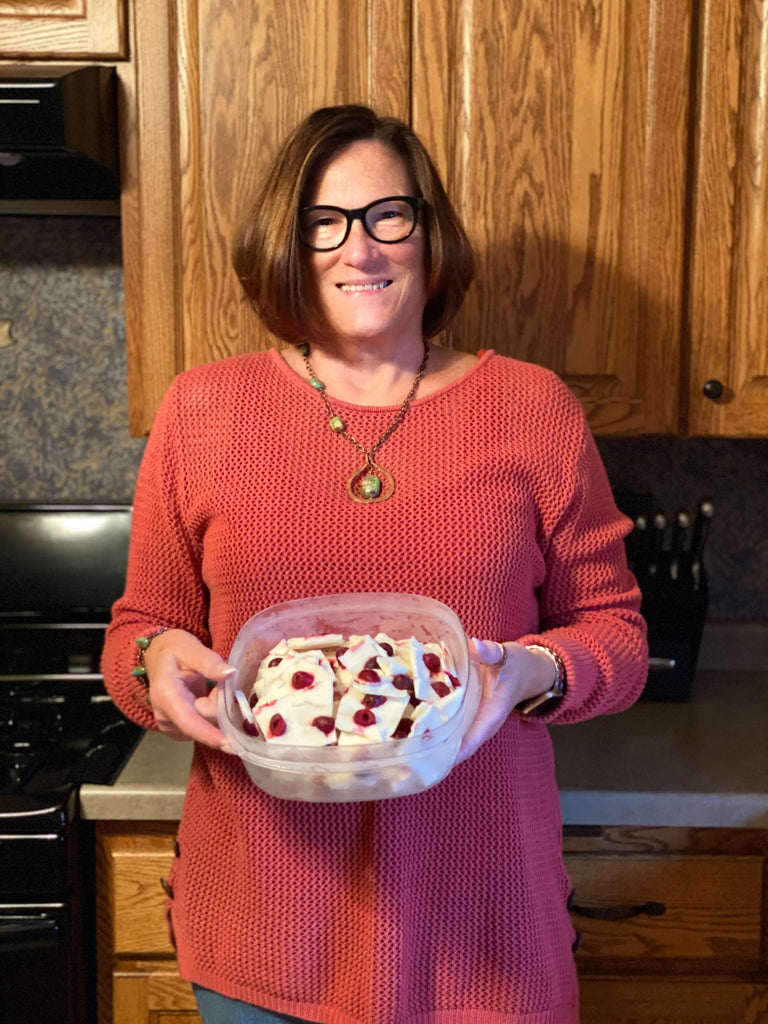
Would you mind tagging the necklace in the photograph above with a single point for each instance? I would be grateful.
(370, 483)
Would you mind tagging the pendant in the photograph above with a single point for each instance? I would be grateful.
(370, 484)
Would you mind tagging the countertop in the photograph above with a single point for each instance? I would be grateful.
(702, 764)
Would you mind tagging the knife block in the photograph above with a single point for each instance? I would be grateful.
(675, 613)
(674, 608)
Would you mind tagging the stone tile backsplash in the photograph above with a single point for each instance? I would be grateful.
(63, 408)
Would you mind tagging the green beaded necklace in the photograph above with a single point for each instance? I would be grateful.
(372, 482)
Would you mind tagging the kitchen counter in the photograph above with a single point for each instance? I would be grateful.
(699, 764)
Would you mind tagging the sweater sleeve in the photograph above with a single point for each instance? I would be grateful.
(164, 586)
(589, 601)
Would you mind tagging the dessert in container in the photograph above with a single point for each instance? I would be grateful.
(334, 774)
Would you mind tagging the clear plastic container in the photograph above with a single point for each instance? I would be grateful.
(336, 774)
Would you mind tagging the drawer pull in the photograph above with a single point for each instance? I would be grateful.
(651, 908)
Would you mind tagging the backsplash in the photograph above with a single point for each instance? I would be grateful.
(63, 408)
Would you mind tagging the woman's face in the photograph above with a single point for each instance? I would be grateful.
(368, 290)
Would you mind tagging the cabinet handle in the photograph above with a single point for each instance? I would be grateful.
(713, 389)
(651, 908)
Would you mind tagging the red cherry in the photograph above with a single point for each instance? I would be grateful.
(250, 728)
(454, 681)
(277, 725)
(253, 700)
(301, 680)
(372, 663)
(402, 729)
(274, 662)
(441, 689)
(374, 700)
(368, 675)
(364, 717)
(388, 649)
(341, 651)
(324, 723)
(431, 661)
(402, 682)
(414, 701)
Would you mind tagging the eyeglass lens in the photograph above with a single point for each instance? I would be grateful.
(389, 220)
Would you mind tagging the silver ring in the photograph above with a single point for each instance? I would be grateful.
(502, 655)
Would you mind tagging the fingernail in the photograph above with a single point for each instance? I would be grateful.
(225, 748)
(228, 672)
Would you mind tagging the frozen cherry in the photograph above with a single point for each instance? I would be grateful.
(250, 728)
(324, 723)
(253, 700)
(454, 681)
(402, 729)
(388, 649)
(341, 651)
(368, 675)
(372, 663)
(441, 688)
(431, 661)
(301, 680)
(402, 682)
(414, 701)
(373, 700)
(364, 717)
(277, 725)
(274, 662)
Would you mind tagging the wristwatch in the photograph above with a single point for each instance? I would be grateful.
(546, 701)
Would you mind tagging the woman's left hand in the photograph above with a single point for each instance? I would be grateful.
(509, 673)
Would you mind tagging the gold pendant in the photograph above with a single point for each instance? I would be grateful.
(370, 484)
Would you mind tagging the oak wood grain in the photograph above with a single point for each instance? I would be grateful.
(84, 29)
(729, 234)
(561, 130)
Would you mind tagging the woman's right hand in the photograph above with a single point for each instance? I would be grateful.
(180, 671)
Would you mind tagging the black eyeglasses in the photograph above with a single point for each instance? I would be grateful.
(390, 220)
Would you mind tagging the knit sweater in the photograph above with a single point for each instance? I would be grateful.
(445, 907)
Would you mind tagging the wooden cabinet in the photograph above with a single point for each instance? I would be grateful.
(672, 925)
(727, 305)
(607, 161)
(67, 29)
(137, 976)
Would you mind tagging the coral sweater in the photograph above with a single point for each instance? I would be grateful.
(449, 906)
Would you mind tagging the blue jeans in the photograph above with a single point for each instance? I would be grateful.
(218, 1009)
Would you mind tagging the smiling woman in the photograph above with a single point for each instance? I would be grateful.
(361, 457)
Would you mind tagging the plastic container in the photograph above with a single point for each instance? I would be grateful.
(336, 774)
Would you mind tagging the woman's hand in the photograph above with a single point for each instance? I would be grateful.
(179, 668)
(509, 673)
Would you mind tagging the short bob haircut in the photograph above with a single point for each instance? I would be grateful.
(268, 256)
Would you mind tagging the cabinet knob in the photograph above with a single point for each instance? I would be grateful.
(713, 389)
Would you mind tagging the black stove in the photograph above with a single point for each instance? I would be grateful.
(61, 568)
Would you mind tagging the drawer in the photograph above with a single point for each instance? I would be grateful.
(132, 866)
(711, 907)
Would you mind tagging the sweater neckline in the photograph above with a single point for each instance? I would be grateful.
(295, 381)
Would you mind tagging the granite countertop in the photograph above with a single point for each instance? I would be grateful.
(699, 764)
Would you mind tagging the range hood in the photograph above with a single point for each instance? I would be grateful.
(58, 139)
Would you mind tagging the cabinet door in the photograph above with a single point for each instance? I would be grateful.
(561, 131)
(153, 996)
(62, 28)
(729, 252)
(243, 75)
(694, 1000)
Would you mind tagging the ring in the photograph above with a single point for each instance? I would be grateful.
(502, 655)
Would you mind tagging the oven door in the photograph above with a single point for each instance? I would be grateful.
(41, 975)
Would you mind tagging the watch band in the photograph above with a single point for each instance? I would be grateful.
(544, 701)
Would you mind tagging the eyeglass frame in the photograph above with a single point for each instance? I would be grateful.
(416, 203)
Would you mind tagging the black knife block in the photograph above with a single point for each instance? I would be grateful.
(675, 610)
(675, 613)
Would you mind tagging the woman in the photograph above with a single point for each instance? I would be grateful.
(361, 457)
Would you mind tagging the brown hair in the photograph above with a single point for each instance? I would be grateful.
(267, 253)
